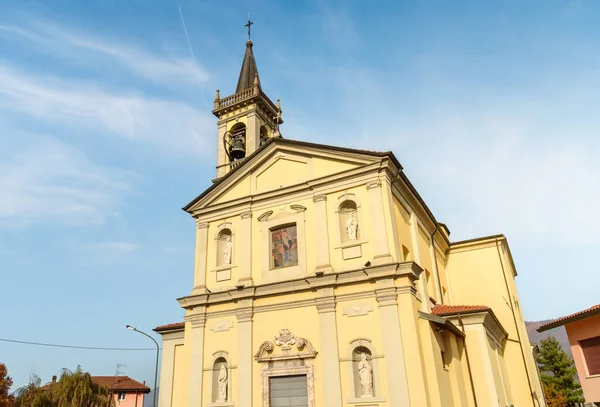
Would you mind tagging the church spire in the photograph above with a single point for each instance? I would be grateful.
(247, 119)
(249, 71)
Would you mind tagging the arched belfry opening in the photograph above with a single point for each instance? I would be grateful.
(247, 119)
(235, 142)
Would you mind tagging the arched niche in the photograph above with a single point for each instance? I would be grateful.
(224, 245)
(364, 362)
(221, 379)
(238, 137)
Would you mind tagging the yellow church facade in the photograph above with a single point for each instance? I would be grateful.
(322, 279)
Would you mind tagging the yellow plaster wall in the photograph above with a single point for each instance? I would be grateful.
(240, 190)
(324, 166)
(477, 278)
(414, 349)
(283, 172)
(402, 226)
(179, 376)
(426, 263)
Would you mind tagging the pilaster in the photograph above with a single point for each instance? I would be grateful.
(244, 315)
(221, 156)
(414, 233)
(386, 296)
(244, 245)
(200, 260)
(196, 342)
(252, 132)
(322, 234)
(332, 387)
(381, 249)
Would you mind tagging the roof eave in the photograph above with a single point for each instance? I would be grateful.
(558, 322)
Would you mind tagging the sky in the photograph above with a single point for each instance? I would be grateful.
(106, 132)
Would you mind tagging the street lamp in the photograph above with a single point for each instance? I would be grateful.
(133, 328)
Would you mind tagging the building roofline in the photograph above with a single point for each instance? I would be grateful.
(281, 140)
(577, 316)
(177, 326)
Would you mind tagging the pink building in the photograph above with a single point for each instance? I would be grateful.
(128, 392)
(583, 330)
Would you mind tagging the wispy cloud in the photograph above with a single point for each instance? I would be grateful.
(86, 107)
(46, 180)
(168, 69)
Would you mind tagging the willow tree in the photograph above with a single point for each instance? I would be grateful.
(73, 389)
(76, 389)
(33, 395)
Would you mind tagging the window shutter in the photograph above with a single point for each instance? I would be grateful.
(591, 354)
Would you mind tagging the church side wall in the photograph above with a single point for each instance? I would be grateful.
(477, 278)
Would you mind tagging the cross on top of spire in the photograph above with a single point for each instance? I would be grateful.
(248, 25)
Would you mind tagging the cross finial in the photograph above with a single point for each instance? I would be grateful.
(248, 25)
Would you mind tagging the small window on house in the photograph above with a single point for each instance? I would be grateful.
(284, 247)
(591, 354)
(121, 396)
(349, 227)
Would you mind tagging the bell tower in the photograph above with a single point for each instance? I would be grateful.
(247, 119)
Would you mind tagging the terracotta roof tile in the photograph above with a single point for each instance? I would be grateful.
(170, 327)
(594, 310)
(117, 383)
(455, 309)
(120, 383)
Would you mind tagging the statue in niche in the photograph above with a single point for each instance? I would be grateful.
(365, 372)
(222, 384)
(227, 251)
(351, 227)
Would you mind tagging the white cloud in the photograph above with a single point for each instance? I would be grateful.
(46, 180)
(169, 70)
(83, 106)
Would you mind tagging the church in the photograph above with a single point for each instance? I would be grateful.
(322, 279)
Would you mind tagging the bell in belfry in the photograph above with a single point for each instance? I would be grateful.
(237, 151)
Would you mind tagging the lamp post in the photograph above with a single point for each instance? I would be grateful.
(133, 328)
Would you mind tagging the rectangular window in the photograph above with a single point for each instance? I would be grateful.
(284, 246)
(121, 396)
(591, 354)
(288, 391)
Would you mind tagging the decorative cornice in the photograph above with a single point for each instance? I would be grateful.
(319, 198)
(405, 273)
(374, 184)
(246, 215)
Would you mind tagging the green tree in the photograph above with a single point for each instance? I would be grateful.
(6, 400)
(558, 370)
(73, 389)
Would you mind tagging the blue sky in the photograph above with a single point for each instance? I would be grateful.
(106, 132)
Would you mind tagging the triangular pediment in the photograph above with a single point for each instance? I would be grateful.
(283, 164)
